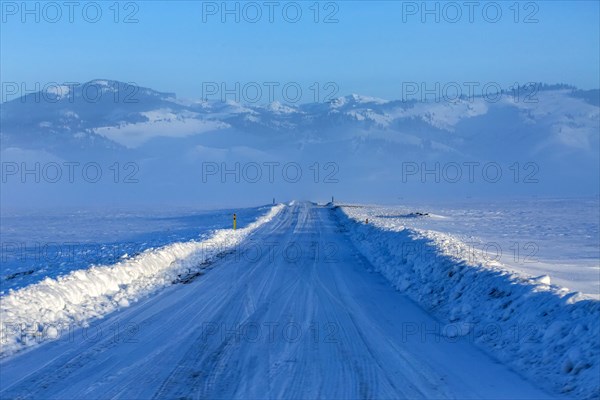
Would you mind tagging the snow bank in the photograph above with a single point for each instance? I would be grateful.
(40, 311)
(547, 333)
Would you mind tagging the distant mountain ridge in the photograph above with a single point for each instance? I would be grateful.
(548, 146)
(112, 115)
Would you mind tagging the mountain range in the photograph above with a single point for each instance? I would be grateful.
(370, 140)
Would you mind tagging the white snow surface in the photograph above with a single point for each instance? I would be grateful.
(309, 319)
(546, 332)
(557, 237)
(58, 91)
(159, 123)
(30, 313)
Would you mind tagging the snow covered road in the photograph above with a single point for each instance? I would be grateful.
(296, 311)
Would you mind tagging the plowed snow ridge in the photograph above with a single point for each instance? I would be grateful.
(311, 323)
(546, 332)
(44, 310)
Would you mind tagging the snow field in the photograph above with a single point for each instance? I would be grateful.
(42, 311)
(545, 332)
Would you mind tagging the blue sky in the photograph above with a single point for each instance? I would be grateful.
(372, 49)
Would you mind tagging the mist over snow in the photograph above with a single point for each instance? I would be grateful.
(132, 145)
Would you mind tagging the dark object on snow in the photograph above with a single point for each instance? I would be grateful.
(409, 215)
(17, 274)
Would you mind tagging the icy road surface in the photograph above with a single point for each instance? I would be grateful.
(293, 313)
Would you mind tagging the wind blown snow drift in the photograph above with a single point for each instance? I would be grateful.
(547, 333)
(42, 311)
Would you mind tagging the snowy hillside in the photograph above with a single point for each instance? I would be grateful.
(473, 145)
(559, 115)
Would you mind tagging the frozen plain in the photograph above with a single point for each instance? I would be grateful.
(293, 308)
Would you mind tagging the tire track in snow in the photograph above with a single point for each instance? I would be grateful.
(367, 358)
